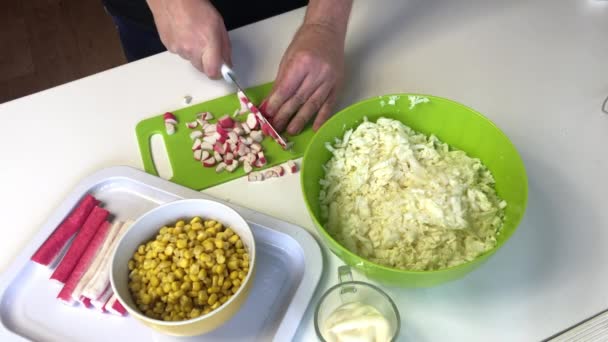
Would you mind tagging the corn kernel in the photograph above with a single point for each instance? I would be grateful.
(181, 243)
(183, 263)
(212, 299)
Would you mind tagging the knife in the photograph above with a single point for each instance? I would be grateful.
(230, 77)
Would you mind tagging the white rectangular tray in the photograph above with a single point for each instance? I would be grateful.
(289, 268)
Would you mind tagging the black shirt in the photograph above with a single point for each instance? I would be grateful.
(236, 13)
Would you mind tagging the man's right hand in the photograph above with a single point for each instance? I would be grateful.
(194, 30)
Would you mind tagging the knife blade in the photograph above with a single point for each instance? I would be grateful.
(230, 77)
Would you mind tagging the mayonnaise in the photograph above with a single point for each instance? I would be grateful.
(356, 322)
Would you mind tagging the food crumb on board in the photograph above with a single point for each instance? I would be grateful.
(187, 99)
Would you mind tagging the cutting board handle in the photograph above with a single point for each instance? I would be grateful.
(144, 137)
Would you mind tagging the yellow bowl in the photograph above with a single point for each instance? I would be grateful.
(146, 228)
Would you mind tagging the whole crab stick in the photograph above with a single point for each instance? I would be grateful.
(85, 261)
(108, 245)
(97, 216)
(114, 306)
(51, 248)
(98, 284)
(100, 302)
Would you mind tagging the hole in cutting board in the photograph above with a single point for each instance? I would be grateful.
(160, 156)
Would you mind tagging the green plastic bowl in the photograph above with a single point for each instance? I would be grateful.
(453, 123)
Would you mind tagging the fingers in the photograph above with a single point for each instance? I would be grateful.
(196, 61)
(295, 102)
(226, 48)
(284, 88)
(326, 111)
(212, 58)
(308, 110)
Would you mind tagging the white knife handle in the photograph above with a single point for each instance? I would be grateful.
(227, 73)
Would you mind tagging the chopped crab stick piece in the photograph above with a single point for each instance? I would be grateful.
(257, 136)
(211, 128)
(100, 281)
(51, 248)
(169, 116)
(97, 216)
(251, 158)
(228, 158)
(291, 166)
(243, 150)
(205, 116)
(108, 244)
(206, 146)
(197, 144)
(220, 167)
(233, 137)
(196, 135)
(256, 147)
(246, 128)
(170, 128)
(226, 121)
(221, 131)
(209, 162)
(279, 170)
(252, 121)
(261, 161)
(212, 139)
(238, 129)
(219, 148)
(255, 177)
(84, 262)
(270, 174)
(232, 166)
(247, 167)
(192, 124)
(243, 102)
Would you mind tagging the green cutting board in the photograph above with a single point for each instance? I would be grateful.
(189, 172)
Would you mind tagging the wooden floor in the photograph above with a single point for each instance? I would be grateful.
(45, 43)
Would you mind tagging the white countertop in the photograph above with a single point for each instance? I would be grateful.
(536, 68)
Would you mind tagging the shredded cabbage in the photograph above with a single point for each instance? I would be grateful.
(399, 198)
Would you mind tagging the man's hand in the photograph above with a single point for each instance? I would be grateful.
(194, 30)
(312, 68)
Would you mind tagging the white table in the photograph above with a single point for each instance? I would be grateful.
(536, 68)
